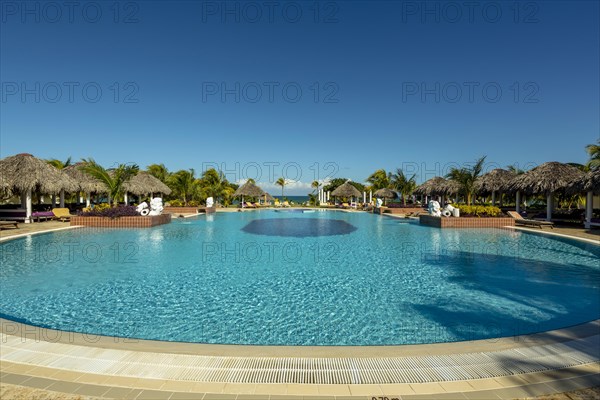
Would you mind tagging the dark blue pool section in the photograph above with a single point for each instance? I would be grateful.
(299, 227)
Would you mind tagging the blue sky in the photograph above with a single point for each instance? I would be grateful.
(302, 89)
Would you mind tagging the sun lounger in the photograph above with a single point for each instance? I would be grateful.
(13, 214)
(285, 204)
(519, 220)
(39, 215)
(62, 213)
(6, 224)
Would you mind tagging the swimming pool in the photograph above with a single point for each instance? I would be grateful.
(322, 278)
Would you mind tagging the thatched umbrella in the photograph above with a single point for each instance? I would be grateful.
(346, 190)
(433, 187)
(493, 182)
(589, 184)
(144, 183)
(268, 197)
(450, 187)
(85, 182)
(24, 173)
(545, 179)
(248, 189)
(5, 190)
(385, 193)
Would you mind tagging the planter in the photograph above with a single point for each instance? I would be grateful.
(122, 222)
(465, 222)
(180, 210)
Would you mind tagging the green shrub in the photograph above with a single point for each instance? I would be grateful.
(175, 203)
(478, 211)
(193, 203)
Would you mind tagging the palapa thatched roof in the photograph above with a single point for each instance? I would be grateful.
(85, 182)
(346, 190)
(5, 191)
(545, 178)
(450, 187)
(589, 182)
(144, 183)
(23, 172)
(493, 181)
(385, 193)
(248, 189)
(434, 186)
(268, 197)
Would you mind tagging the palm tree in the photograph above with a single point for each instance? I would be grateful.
(593, 151)
(113, 179)
(183, 183)
(466, 178)
(315, 185)
(402, 184)
(379, 179)
(515, 169)
(159, 171)
(214, 184)
(281, 182)
(58, 164)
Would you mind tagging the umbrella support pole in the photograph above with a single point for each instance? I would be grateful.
(26, 204)
(589, 200)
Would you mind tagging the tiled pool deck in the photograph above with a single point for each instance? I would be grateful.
(105, 367)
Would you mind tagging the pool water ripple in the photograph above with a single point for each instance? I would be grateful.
(210, 280)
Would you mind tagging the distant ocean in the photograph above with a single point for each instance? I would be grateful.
(295, 199)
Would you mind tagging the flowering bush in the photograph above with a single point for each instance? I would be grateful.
(174, 203)
(111, 212)
(478, 211)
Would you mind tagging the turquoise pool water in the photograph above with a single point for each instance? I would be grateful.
(285, 278)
